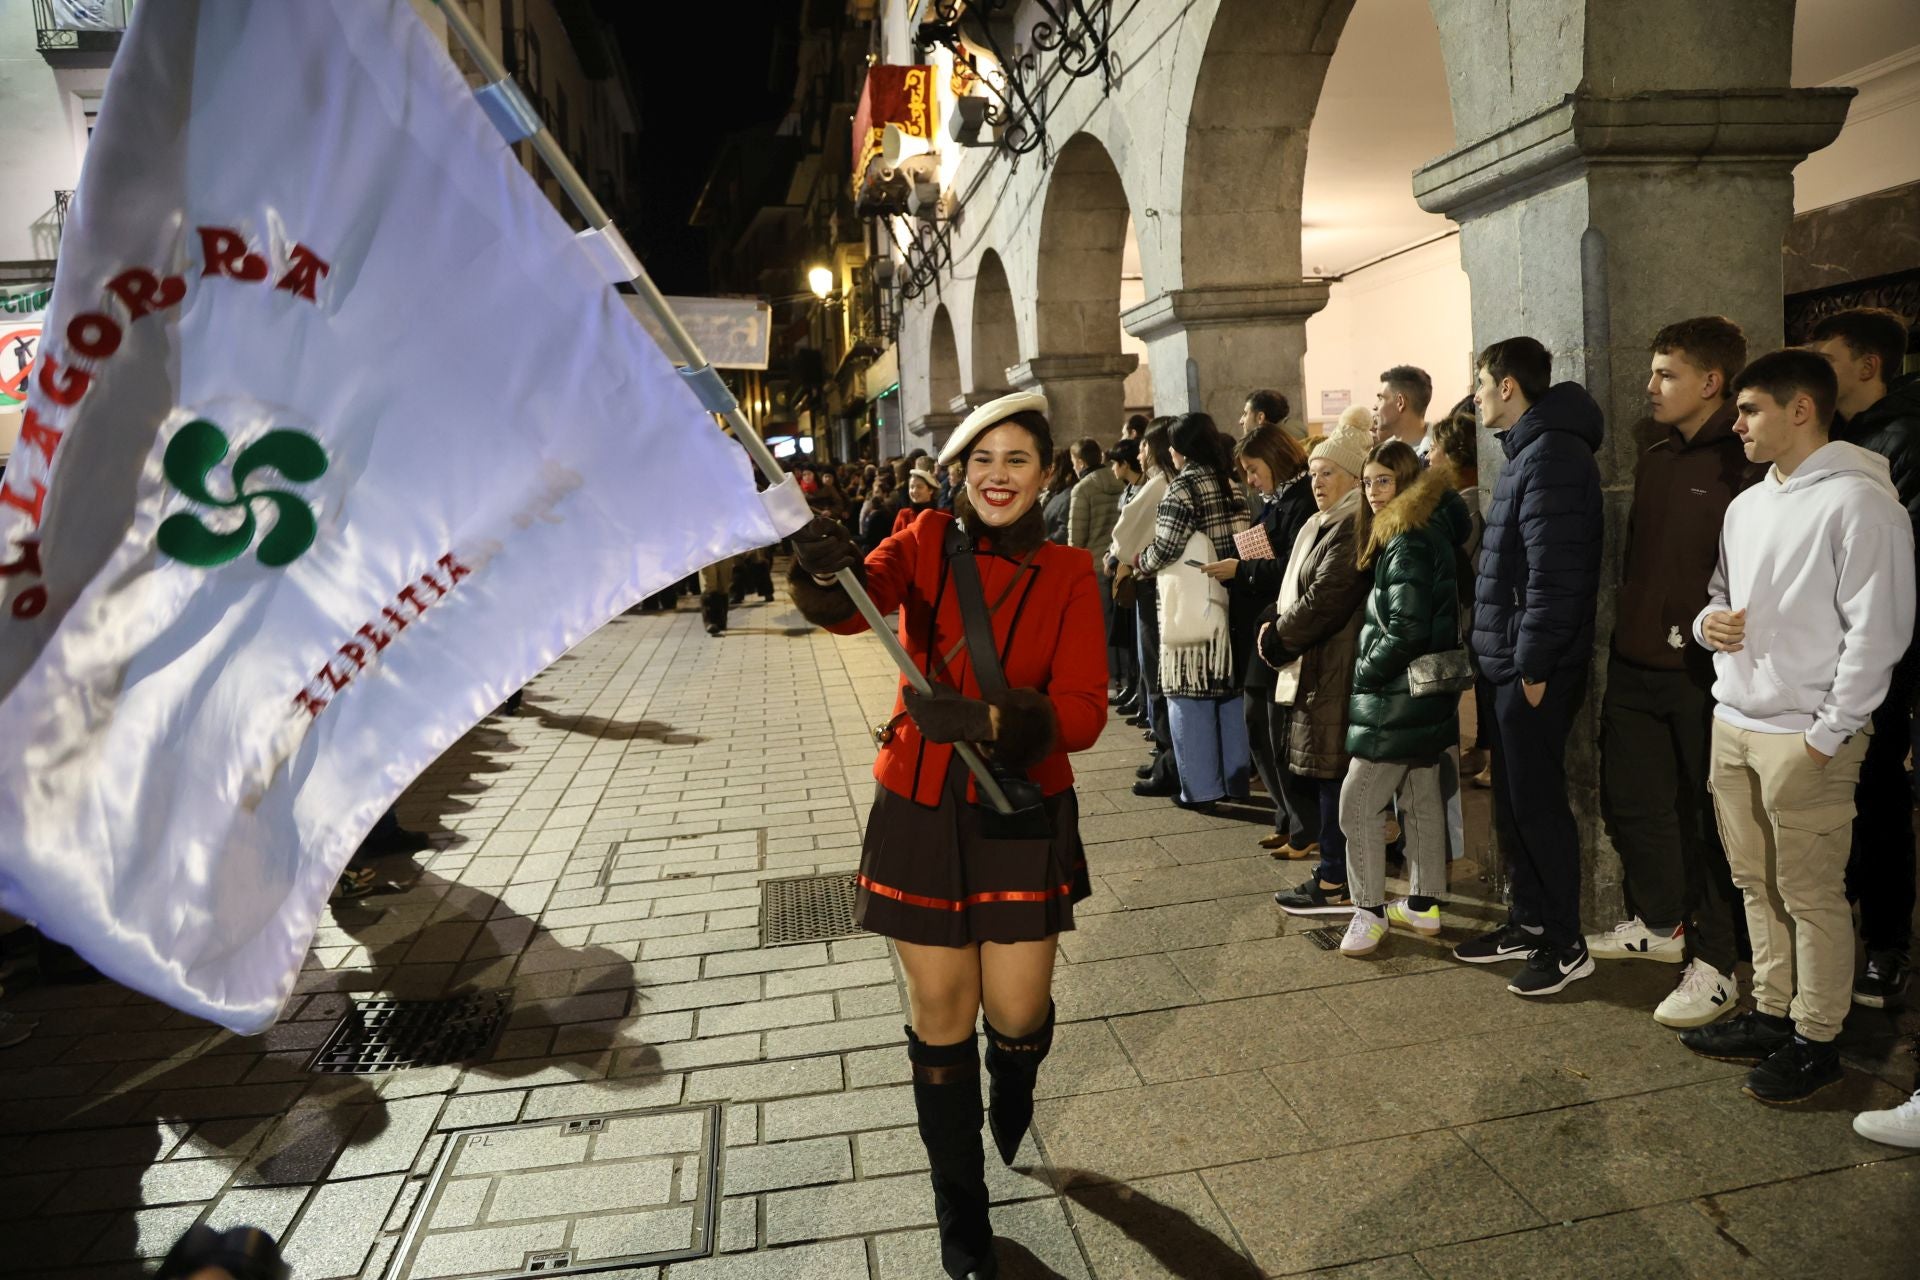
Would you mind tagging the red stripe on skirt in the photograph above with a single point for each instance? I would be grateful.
(971, 900)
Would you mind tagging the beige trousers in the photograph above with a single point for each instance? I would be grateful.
(1787, 824)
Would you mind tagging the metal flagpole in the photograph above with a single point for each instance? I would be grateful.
(510, 111)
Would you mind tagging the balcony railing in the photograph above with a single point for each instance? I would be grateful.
(80, 26)
(62, 205)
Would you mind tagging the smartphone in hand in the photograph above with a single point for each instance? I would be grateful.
(1193, 564)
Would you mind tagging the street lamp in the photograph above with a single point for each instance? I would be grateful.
(820, 280)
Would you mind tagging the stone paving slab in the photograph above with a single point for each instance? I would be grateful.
(1225, 1100)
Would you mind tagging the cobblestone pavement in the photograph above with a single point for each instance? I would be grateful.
(1226, 1099)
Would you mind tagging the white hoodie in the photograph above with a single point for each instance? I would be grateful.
(1823, 564)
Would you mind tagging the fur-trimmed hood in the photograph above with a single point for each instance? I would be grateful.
(1425, 502)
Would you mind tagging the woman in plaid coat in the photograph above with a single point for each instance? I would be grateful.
(1194, 526)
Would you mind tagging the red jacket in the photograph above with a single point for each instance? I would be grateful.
(1050, 631)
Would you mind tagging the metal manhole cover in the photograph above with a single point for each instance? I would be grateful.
(806, 909)
(567, 1197)
(1326, 938)
(390, 1035)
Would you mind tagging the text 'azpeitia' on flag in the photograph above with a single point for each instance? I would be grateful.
(336, 437)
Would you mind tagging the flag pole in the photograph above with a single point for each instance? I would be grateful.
(510, 110)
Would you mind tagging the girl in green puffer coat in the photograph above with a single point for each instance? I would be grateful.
(1413, 526)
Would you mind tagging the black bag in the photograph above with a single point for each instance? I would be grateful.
(1028, 819)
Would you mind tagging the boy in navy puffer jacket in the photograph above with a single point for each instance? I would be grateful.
(1534, 593)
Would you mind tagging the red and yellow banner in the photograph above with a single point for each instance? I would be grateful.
(900, 96)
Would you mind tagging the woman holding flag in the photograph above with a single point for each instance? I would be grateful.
(1007, 628)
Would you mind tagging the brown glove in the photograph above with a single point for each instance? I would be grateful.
(947, 715)
(823, 547)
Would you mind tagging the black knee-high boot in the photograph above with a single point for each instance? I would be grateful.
(946, 1094)
(1014, 1065)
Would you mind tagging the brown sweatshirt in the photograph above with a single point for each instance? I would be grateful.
(1681, 489)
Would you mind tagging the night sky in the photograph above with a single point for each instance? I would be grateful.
(702, 69)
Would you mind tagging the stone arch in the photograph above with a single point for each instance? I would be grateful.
(1254, 96)
(996, 335)
(943, 362)
(1083, 230)
(1079, 363)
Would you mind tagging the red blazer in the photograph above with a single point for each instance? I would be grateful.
(905, 516)
(1050, 630)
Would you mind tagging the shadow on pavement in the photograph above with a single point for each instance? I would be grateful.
(599, 727)
(1183, 1248)
(118, 1104)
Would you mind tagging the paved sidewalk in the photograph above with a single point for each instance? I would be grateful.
(1226, 1100)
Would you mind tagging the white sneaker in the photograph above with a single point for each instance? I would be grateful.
(1425, 923)
(1704, 994)
(1364, 932)
(1631, 940)
(1897, 1127)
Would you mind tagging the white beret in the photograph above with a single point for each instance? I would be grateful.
(985, 418)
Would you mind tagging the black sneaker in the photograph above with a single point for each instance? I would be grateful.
(1884, 981)
(1311, 899)
(1508, 942)
(1550, 969)
(1795, 1072)
(1752, 1036)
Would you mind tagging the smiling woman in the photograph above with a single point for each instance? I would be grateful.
(1007, 627)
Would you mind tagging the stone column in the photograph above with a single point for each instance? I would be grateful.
(1086, 394)
(929, 431)
(1209, 347)
(1591, 224)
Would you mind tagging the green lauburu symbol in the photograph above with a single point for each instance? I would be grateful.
(195, 450)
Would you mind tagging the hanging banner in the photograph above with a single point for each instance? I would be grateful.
(732, 333)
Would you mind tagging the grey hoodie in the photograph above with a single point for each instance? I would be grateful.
(1823, 564)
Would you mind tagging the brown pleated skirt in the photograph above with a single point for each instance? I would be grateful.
(929, 876)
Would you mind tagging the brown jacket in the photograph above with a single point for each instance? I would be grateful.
(1681, 489)
(1321, 628)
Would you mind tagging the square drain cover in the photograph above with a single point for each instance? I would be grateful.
(806, 909)
(567, 1197)
(1326, 938)
(390, 1035)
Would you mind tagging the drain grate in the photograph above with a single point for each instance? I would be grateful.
(620, 1190)
(390, 1035)
(806, 909)
(1326, 938)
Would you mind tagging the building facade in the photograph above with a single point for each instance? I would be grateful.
(1313, 190)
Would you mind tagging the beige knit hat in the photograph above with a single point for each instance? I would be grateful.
(1346, 448)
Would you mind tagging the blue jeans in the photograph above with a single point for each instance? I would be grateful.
(1210, 747)
(1333, 840)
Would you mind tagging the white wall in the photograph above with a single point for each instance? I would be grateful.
(40, 117)
(1880, 145)
(1413, 309)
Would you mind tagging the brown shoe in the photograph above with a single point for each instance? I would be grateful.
(1274, 841)
(1289, 853)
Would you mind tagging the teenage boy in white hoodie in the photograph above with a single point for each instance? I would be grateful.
(1810, 607)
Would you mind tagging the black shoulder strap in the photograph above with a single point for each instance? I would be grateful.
(973, 612)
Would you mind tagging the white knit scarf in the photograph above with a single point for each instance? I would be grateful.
(1196, 649)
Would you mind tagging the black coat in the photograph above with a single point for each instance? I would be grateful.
(1891, 428)
(1539, 570)
(1255, 585)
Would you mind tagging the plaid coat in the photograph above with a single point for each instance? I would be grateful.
(1197, 501)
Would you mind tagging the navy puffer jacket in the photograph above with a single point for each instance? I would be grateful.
(1539, 569)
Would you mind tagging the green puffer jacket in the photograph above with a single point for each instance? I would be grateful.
(1413, 609)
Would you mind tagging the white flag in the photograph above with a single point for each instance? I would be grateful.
(336, 437)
